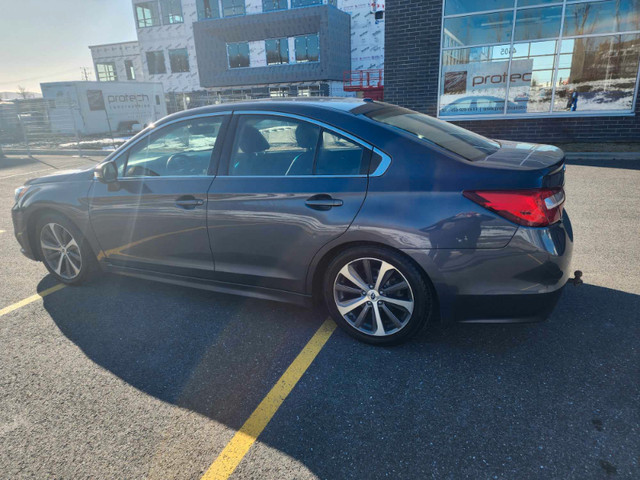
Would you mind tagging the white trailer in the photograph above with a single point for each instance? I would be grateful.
(92, 108)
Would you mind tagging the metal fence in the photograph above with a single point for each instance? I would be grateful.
(34, 125)
(37, 125)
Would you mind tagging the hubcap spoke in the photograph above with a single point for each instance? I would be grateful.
(379, 327)
(58, 269)
(348, 289)
(396, 321)
(395, 287)
(350, 274)
(362, 316)
(55, 234)
(366, 263)
(347, 307)
(75, 268)
(385, 269)
(50, 246)
(405, 304)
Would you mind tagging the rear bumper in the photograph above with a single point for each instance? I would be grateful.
(521, 282)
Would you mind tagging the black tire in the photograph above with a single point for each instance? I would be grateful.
(82, 255)
(420, 292)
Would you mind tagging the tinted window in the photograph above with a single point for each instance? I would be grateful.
(155, 63)
(307, 48)
(180, 149)
(208, 9)
(339, 156)
(277, 51)
(273, 146)
(179, 60)
(455, 139)
(271, 5)
(238, 54)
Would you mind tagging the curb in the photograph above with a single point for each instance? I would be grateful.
(602, 156)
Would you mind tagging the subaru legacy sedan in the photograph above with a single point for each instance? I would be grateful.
(394, 219)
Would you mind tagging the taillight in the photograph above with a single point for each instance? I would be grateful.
(533, 208)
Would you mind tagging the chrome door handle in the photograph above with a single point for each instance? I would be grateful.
(189, 202)
(323, 202)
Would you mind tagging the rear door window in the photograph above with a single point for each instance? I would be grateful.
(270, 146)
(276, 146)
(338, 155)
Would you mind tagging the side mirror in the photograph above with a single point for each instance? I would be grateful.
(106, 172)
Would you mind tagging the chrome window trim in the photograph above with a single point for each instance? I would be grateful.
(386, 159)
(384, 163)
(157, 128)
(326, 126)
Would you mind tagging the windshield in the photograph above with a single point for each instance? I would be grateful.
(450, 137)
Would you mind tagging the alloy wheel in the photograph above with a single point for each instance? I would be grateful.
(373, 296)
(60, 251)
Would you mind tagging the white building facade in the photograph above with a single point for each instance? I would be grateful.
(166, 50)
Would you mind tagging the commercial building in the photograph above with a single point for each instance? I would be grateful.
(536, 70)
(207, 51)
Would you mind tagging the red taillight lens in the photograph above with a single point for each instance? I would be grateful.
(533, 208)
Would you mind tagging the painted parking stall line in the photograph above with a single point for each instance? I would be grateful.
(31, 299)
(230, 457)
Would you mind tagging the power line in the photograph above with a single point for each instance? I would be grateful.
(13, 82)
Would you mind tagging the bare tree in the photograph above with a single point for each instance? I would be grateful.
(22, 91)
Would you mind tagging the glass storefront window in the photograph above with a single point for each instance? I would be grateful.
(602, 17)
(601, 76)
(538, 23)
(456, 7)
(553, 65)
(479, 29)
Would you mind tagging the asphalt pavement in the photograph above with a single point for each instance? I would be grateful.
(124, 378)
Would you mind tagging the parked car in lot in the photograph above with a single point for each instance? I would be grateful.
(392, 217)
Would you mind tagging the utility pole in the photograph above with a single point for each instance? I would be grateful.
(85, 73)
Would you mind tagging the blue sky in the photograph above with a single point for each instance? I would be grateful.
(47, 40)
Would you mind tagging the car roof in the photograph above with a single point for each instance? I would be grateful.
(286, 105)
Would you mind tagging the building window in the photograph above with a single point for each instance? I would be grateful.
(129, 70)
(232, 8)
(272, 5)
(307, 48)
(304, 3)
(147, 14)
(179, 60)
(277, 51)
(208, 9)
(106, 72)
(238, 54)
(531, 59)
(155, 63)
(171, 11)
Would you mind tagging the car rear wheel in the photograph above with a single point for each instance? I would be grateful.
(63, 249)
(377, 295)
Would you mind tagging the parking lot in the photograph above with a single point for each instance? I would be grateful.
(124, 378)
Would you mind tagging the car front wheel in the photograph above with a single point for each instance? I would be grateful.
(377, 295)
(63, 249)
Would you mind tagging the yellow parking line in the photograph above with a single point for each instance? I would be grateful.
(237, 448)
(31, 299)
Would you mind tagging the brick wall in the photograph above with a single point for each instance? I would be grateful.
(412, 56)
